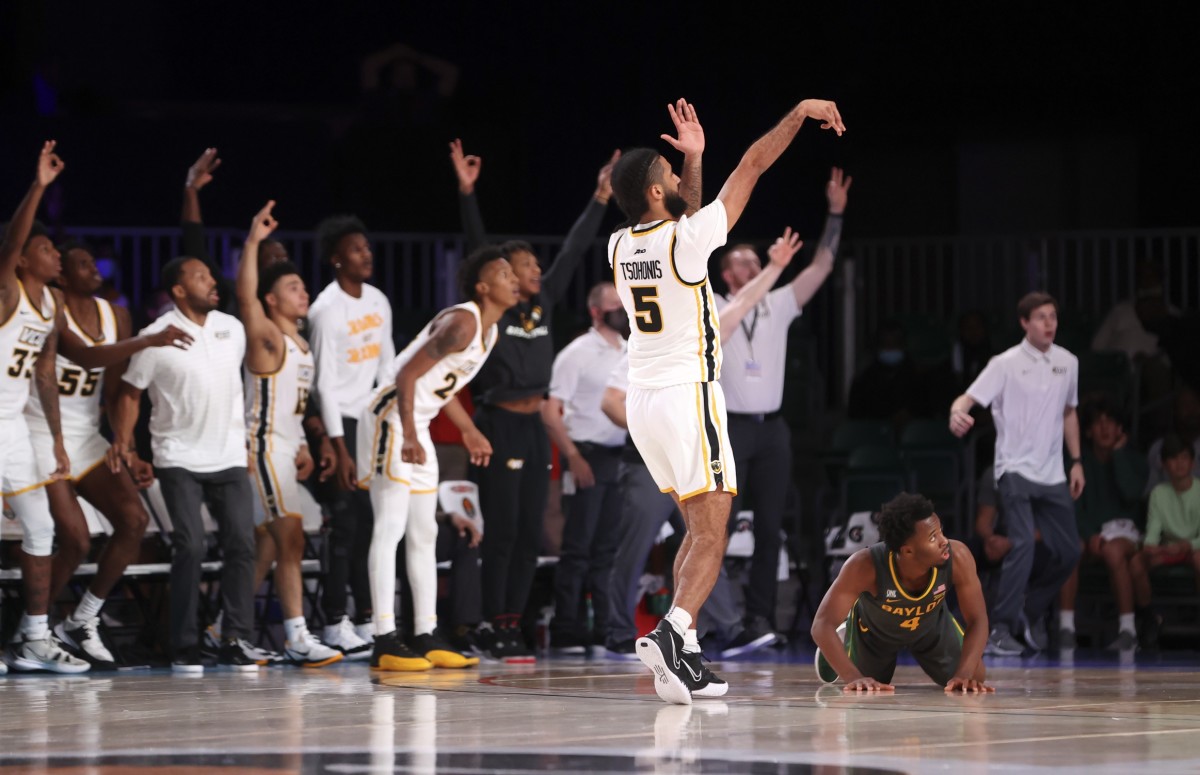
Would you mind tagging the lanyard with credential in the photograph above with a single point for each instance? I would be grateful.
(749, 331)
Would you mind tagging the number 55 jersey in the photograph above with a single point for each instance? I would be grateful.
(79, 391)
(379, 450)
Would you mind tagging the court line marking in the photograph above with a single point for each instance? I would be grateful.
(1045, 739)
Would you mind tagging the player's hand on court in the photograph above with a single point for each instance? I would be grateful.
(581, 471)
(263, 224)
(1077, 482)
(784, 248)
(328, 460)
(466, 168)
(836, 191)
(49, 165)
(604, 178)
(826, 112)
(466, 527)
(411, 451)
(960, 423)
(687, 126)
(170, 337)
(304, 464)
(62, 463)
(867, 684)
(478, 448)
(347, 472)
(200, 174)
(968, 686)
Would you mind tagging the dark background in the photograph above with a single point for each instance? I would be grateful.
(962, 119)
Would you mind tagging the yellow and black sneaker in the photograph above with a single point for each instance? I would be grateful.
(391, 654)
(441, 653)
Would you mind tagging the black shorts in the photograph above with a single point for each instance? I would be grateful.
(937, 651)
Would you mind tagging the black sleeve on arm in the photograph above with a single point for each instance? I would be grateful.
(472, 221)
(579, 240)
(193, 241)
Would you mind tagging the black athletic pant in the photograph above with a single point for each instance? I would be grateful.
(512, 495)
(762, 453)
(351, 523)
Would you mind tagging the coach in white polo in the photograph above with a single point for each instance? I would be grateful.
(755, 348)
(1032, 389)
(198, 437)
(590, 445)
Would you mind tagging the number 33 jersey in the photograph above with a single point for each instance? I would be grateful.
(660, 270)
(436, 387)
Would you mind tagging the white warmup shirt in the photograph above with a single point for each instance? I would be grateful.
(1028, 391)
(352, 344)
(756, 353)
(198, 419)
(661, 273)
(578, 379)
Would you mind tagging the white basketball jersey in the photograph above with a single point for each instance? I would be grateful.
(275, 402)
(22, 337)
(79, 389)
(436, 387)
(661, 274)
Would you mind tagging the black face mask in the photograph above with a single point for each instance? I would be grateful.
(618, 321)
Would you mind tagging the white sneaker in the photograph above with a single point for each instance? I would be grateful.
(366, 631)
(85, 638)
(343, 637)
(307, 651)
(43, 654)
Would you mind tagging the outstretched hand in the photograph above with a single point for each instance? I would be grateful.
(968, 686)
(604, 178)
(263, 224)
(836, 190)
(827, 113)
(200, 174)
(784, 248)
(687, 126)
(466, 168)
(49, 165)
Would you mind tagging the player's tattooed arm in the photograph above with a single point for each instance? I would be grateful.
(451, 332)
(45, 380)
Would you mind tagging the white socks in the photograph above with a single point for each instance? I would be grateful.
(679, 619)
(691, 643)
(88, 608)
(1066, 620)
(384, 623)
(292, 628)
(1127, 624)
(35, 627)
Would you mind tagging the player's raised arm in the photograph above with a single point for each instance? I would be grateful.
(690, 142)
(809, 281)
(254, 317)
(48, 168)
(768, 148)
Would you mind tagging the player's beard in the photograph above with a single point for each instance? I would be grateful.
(675, 204)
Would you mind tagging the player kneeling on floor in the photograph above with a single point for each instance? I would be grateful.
(895, 592)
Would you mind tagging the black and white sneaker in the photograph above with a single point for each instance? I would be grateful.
(661, 651)
(237, 656)
(86, 640)
(27, 655)
(710, 684)
(187, 661)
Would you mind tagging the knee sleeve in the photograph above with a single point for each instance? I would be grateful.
(33, 512)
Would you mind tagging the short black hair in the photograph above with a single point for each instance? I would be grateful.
(75, 244)
(898, 519)
(36, 229)
(172, 271)
(634, 172)
(1172, 445)
(331, 230)
(271, 275)
(1031, 301)
(470, 270)
(1099, 404)
(516, 246)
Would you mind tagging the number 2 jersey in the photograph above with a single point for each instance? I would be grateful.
(898, 616)
(22, 337)
(79, 388)
(436, 387)
(660, 270)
